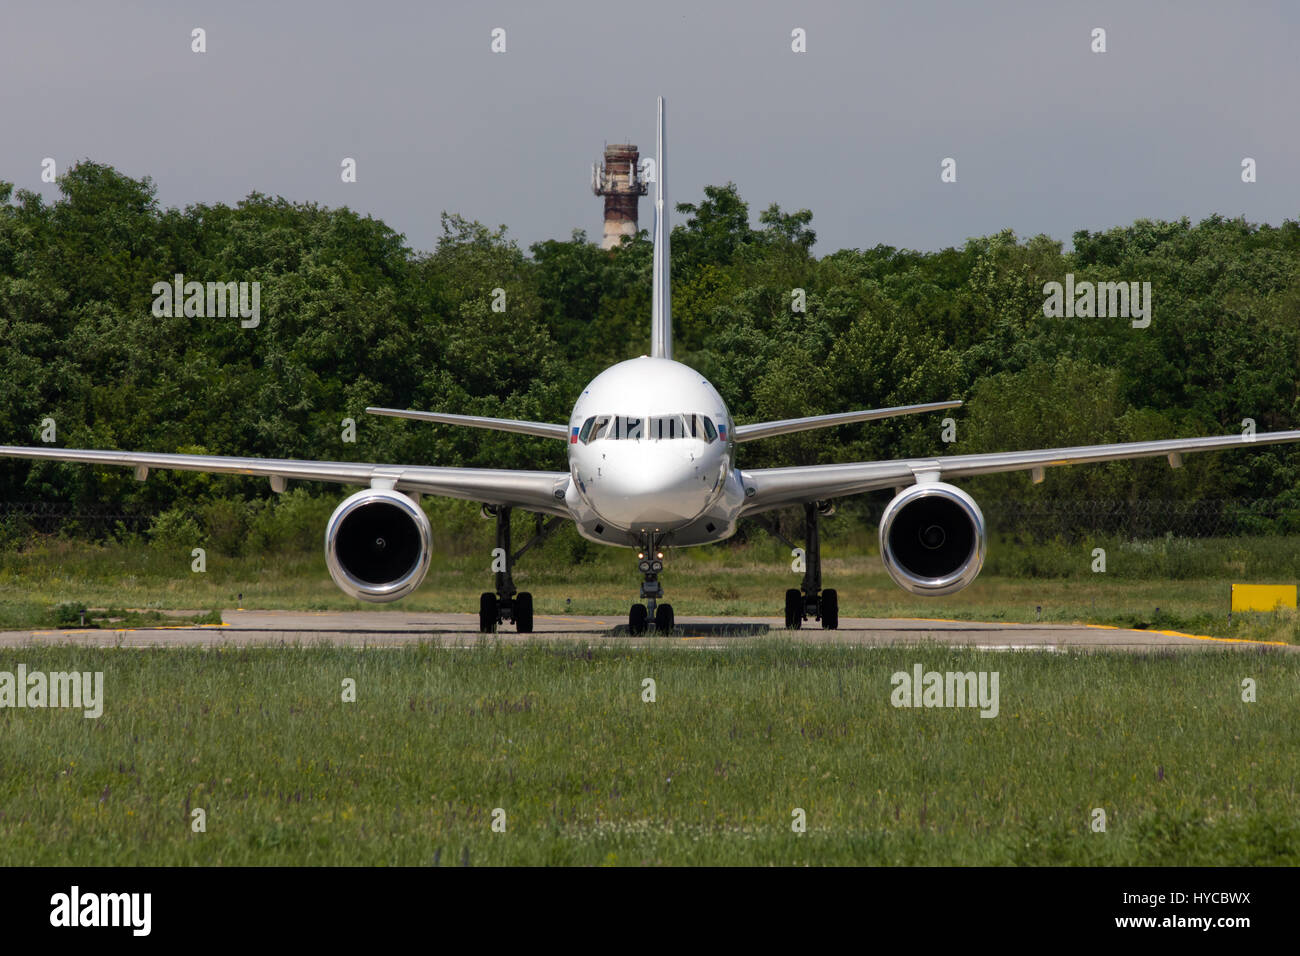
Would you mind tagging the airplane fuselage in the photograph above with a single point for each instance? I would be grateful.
(651, 453)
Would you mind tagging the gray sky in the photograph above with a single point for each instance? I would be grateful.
(1048, 136)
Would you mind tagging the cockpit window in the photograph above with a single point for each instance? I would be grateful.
(657, 428)
(593, 428)
(667, 427)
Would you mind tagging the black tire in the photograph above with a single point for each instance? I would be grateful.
(487, 612)
(793, 609)
(830, 606)
(636, 620)
(524, 612)
(664, 619)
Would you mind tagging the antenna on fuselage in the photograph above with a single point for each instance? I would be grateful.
(661, 321)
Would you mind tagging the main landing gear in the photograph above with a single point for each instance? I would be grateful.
(811, 601)
(507, 604)
(650, 562)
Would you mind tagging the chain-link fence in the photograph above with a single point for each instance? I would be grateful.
(1139, 518)
(1144, 517)
(1071, 520)
(57, 517)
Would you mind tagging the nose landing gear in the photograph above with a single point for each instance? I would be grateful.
(650, 563)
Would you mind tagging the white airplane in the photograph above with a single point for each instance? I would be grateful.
(652, 465)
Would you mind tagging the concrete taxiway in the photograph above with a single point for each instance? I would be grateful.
(396, 628)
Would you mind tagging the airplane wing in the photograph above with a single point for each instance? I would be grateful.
(785, 426)
(533, 490)
(541, 429)
(767, 488)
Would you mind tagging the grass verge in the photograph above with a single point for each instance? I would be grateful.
(1163, 585)
(585, 771)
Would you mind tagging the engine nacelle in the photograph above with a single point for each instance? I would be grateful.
(377, 545)
(932, 539)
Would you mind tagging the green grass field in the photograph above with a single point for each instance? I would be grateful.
(1188, 582)
(559, 738)
(586, 772)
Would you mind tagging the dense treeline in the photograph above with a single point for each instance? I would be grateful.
(350, 316)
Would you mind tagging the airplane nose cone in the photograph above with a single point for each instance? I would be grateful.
(651, 492)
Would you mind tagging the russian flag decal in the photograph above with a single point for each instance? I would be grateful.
(722, 432)
(573, 438)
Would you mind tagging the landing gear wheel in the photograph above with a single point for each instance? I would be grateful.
(524, 612)
(664, 619)
(830, 608)
(487, 612)
(793, 609)
(636, 620)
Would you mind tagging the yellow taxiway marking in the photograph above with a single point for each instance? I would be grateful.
(1225, 640)
(124, 630)
(1106, 627)
(1196, 637)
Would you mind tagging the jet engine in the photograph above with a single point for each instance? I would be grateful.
(932, 539)
(377, 545)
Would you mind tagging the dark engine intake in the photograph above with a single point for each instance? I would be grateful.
(377, 545)
(932, 539)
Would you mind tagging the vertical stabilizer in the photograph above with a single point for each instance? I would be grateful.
(661, 329)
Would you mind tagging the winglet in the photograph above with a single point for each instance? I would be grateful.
(661, 329)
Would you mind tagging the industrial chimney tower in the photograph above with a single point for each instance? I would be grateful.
(616, 180)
